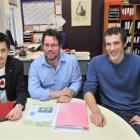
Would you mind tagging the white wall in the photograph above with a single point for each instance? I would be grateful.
(19, 26)
(5, 18)
(4, 15)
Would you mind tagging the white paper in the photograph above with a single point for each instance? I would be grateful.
(38, 13)
(38, 113)
(60, 21)
(58, 7)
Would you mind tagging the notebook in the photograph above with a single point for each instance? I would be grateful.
(5, 108)
(72, 115)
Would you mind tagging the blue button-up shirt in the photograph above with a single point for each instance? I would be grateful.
(43, 78)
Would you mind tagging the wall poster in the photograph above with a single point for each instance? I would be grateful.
(81, 12)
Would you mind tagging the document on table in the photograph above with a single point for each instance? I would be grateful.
(40, 115)
(71, 117)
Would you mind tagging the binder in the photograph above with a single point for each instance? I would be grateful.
(5, 108)
(72, 115)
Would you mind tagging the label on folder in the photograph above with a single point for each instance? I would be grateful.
(72, 115)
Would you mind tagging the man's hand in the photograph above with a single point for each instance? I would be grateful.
(64, 99)
(66, 92)
(54, 94)
(135, 120)
(98, 119)
(65, 95)
(15, 113)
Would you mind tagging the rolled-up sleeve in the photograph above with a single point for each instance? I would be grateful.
(76, 79)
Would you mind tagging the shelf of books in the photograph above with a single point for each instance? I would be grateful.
(128, 17)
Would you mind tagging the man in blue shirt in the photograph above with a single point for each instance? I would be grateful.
(54, 74)
(118, 76)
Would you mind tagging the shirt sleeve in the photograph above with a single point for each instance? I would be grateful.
(76, 79)
(91, 79)
(36, 91)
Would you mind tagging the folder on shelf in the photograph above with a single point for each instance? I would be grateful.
(5, 108)
(72, 115)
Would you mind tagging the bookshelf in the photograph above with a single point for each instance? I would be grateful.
(27, 37)
(125, 16)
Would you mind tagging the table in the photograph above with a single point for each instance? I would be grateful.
(115, 129)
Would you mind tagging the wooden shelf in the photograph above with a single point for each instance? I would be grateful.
(127, 17)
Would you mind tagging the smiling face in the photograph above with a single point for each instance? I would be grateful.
(51, 48)
(114, 48)
(3, 54)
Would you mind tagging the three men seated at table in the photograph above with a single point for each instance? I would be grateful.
(57, 75)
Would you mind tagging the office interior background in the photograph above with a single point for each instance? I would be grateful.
(80, 38)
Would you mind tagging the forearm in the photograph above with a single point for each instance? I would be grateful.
(91, 102)
(54, 94)
(39, 93)
(66, 92)
(96, 116)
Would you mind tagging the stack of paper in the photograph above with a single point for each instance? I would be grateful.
(72, 117)
(82, 55)
(34, 55)
(33, 45)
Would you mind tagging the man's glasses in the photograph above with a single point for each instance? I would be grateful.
(50, 45)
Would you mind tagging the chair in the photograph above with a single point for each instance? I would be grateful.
(63, 37)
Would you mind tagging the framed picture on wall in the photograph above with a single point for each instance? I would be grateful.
(81, 12)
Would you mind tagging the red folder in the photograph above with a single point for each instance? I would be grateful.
(5, 108)
(72, 115)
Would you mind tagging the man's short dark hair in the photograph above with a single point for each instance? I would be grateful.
(4, 38)
(53, 33)
(116, 31)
